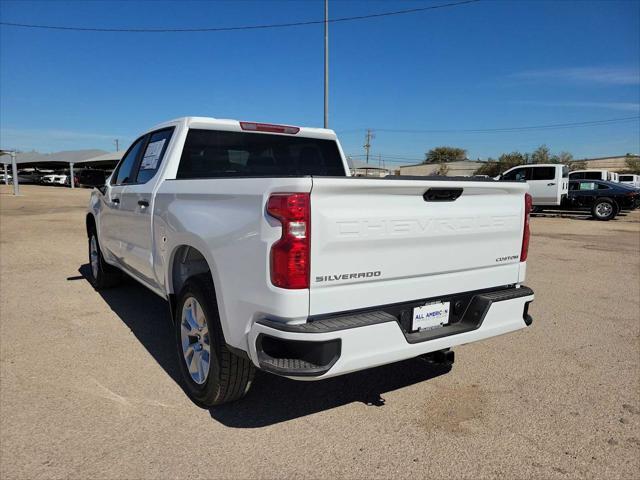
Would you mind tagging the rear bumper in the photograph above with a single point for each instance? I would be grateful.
(343, 343)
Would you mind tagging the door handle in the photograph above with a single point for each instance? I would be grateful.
(437, 194)
(115, 200)
(143, 203)
(550, 184)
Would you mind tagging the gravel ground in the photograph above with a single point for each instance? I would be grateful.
(89, 381)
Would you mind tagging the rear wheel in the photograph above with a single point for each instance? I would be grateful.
(212, 374)
(604, 209)
(103, 275)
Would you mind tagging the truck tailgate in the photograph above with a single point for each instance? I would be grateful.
(381, 241)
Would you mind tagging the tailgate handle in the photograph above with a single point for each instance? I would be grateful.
(438, 194)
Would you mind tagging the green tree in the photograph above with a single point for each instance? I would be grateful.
(491, 168)
(505, 161)
(562, 157)
(445, 154)
(633, 163)
(578, 165)
(513, 159)
(542, 154)
(443, 169)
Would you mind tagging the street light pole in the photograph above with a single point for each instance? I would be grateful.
(326, 63)
(14, 171)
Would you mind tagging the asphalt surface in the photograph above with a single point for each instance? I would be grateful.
(89, 382)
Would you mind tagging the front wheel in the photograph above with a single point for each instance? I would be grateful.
(103, 275)
(212, 374)
(604, 209)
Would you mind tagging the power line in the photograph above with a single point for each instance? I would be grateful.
(508, 129)
(389, 160)
(242, 27)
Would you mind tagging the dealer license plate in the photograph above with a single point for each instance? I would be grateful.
(432, 315)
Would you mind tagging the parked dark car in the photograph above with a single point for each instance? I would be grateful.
(90, 177)
(604, 199)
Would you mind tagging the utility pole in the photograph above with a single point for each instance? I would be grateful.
(367, 142)
(326, 63)
(117, 142)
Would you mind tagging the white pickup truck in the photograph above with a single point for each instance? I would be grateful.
(271, 256)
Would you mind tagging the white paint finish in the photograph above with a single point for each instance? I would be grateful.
(375, 345)
(547, 192)
(605, 175)
(421, 249)
(630, 179)
(225, 219)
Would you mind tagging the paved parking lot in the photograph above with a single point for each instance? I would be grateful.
(89, 381)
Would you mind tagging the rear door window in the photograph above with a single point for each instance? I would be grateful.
(153, 154)
(124, 171)
(543, 173)
(214, 154)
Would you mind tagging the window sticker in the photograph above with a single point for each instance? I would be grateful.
(152, 155)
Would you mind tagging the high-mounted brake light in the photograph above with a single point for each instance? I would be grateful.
(290, 255)
(267, 127)
(528, 206)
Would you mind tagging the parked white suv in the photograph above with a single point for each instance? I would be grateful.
(272, 257)
(630, 179)
(594, 174)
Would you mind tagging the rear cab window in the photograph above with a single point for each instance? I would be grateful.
(223, 154)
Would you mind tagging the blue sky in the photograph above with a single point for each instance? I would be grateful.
(485, 65)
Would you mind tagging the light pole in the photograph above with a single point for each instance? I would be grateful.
(326, 63)
(14, 170)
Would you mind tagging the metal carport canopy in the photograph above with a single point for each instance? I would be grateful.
(109, 159)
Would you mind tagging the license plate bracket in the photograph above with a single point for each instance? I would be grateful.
(431, 315)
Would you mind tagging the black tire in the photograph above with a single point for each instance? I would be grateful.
(229, 376)
(101, 275)
(604, 209)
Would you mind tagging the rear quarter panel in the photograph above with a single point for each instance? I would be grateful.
(225, 219)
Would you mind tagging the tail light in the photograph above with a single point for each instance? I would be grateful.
(528, 206)
(290, 265)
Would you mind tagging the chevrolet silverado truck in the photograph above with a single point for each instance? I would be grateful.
(272, 257)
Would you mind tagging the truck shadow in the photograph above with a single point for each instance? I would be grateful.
(272, 399)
